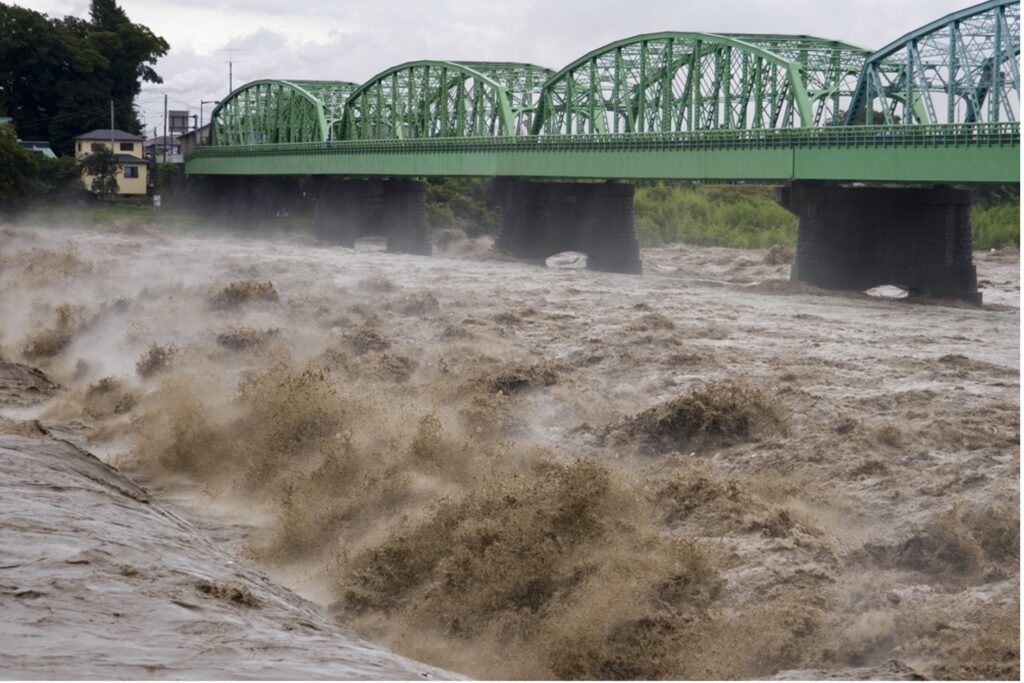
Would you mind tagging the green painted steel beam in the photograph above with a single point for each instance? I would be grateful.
(430, 99)
(274, 110)
(961, 68)
(955, 154)
(666, 82)
(660, 105)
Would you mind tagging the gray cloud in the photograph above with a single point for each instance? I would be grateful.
(347, 40)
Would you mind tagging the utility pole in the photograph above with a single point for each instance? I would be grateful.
(203, 103)
(111, 124)
(231, 76)
(165, 129)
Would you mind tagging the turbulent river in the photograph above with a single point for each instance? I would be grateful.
(495, 468)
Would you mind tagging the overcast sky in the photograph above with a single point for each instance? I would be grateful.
(353, 40)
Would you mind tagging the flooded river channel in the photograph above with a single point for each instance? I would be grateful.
(308, 458)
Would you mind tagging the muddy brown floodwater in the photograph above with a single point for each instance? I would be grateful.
(223, 455)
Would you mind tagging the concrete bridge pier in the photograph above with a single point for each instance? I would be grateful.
(856, 238)
(351, 208)
(248, 200)
(404, 216)
(539, 219)
(338, 210)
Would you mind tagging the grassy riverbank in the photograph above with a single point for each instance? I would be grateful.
(747, 216)
(744, 216)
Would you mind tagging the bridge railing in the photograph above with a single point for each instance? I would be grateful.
(945, 135)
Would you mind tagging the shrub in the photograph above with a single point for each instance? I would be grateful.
(996, 226)
(18, 170)
(729, 216)
(460, 204)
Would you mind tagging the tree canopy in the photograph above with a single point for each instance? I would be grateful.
(57, 76)
(17, 171)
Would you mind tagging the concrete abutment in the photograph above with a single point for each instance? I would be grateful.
(856, 238)
(539, 219)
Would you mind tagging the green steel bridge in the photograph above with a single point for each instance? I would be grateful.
(939, 105)
(865, 145)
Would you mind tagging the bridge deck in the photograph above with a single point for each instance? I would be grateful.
(983, 152)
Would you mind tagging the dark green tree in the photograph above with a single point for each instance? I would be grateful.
(57, 77)
(59, 178)
(102, 166)
(131, 51)
(17, 171)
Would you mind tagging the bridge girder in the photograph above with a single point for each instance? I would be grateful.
(278, 111)
(670, 82)
(430, 99)
(962, 68)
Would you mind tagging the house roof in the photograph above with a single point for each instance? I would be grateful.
(106, 134)
(40, 147)
(124, 158)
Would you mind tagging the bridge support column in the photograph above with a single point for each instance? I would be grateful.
(540, 219)
(338, 216)
(350, 208)
(857, 238)
(249, 201)
(404, 216)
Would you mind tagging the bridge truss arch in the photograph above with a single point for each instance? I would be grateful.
(667, 82)
(962, 68)
(830, 69)
(277, 111)
(439, 99)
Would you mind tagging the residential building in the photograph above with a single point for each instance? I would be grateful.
(133, 174)
(164, 149)
(194, 138)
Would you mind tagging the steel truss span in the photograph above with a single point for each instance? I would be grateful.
(432, 99)
(962, 68)
(950, 79)
(273, 112)
(669, 82)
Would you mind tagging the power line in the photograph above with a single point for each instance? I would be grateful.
(91, 111)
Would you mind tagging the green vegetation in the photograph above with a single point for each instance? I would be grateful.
(102, 166)
(168, 178)
(743, 216)
(58, 76)
(995, 217)
(995, 227)
(59, 179)
(747, 216)
(461, 204)
(121, 213)
(17, 171)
